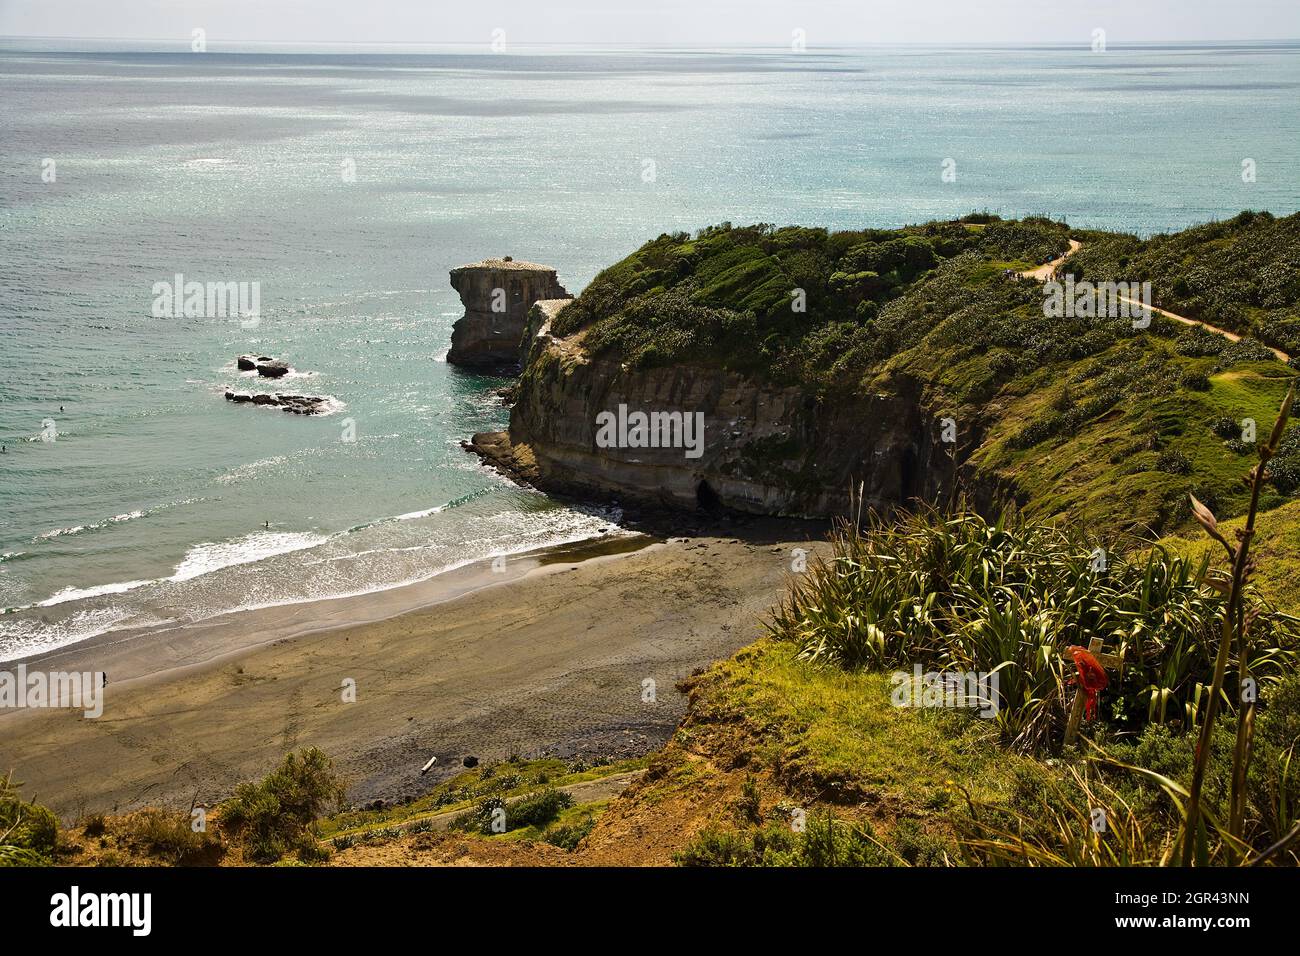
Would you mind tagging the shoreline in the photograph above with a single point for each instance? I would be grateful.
(132, 654)
(551, 659)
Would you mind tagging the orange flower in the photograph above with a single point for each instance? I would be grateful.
(1092, 678)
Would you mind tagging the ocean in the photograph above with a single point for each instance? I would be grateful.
(132, 495)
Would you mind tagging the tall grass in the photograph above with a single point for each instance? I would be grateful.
(1082, 820)
(958, 593)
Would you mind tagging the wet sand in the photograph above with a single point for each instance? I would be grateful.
(551, 657)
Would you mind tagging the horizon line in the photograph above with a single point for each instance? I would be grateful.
(629, 45)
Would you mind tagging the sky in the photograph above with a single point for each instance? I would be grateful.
(683, 23)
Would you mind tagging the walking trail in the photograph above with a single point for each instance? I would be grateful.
(1048, 269)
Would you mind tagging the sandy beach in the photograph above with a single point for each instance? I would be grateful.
(554, 656)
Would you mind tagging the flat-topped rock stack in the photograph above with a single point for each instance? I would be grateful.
(497, 294)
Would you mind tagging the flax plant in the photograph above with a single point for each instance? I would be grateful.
(1234, 632)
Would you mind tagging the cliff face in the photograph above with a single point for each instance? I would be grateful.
(497, 294)
(762, 449)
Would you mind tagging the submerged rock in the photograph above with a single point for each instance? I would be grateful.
(497, 294)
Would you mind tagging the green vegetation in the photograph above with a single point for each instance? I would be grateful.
(279, 814)
(834, 774)
(1276, 546)
(957, 593)
(496, 815)
(466, 791)
(888, 786)
(728, 295)
(1242, 274)
(528, 791)
(833, 734)
(824, 841)
(567, 835)
(1141, 785)
(28, 831)
(1081, 417)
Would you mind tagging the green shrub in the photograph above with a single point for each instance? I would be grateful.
(1173, 462)
(28, 831)
(919, 848)
(279, 813)
(1226, 428)
(1247, 350)
(534, 810)
(568, 837)
(1198, 342)
(537, 809)
(1284, 468)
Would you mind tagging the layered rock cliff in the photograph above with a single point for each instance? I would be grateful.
(497, 294)
(761, 449)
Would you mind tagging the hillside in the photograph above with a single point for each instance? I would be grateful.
(821, 361)
(1242, 274)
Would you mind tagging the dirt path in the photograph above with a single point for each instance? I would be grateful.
(1044, 272)
(1047, 270)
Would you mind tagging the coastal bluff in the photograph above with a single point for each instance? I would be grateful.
(767, 449)
(497, 295)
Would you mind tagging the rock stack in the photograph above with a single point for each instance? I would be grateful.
(497, 294)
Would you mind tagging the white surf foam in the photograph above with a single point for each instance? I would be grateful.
(216, 555)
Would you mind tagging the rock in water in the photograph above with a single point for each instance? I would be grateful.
(297, 404)
(497, 294)
(273, 369)
(246, 363)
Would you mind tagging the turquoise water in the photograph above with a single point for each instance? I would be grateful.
(151, 505)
